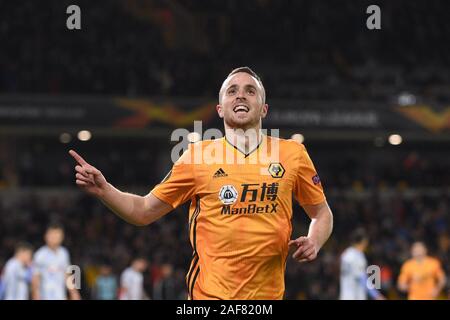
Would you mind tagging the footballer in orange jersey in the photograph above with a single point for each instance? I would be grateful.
(421, 276)
(241, 189)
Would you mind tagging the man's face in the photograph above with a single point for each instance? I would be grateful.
(418, 250)
(241, 104)
(54, 237)
(167, 270)
(141, 265)
(105, 270)
(25, 256)
(364, 244)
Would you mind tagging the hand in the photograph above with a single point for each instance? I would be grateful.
(435, 293)
(89, 178)
(74, 295)
(403, 287)
(305, 249)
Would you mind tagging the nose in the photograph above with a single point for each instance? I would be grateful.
(241, 94)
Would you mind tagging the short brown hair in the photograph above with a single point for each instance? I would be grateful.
(23, 246)
(55, 225)
(249, 71)
(246, 70)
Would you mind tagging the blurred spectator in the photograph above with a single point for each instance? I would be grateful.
(16, 277)
(166, 288)
(421, 276)
(106, 286)
(132, 281)
(50, 263)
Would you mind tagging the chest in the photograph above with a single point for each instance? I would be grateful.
(423, 274)
(237, 184)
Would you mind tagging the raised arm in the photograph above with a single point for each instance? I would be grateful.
(137, 210)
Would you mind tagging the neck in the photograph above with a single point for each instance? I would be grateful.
(420, 259)
(53, 248)
(245, 140)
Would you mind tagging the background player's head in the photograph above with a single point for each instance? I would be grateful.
(242, 100)
(360, 239)
(105, 270)
(167, 270)
(418, 250)
(139, 264)
(54, 235)
(24, 253)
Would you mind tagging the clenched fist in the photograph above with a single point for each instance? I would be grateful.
(304, 249)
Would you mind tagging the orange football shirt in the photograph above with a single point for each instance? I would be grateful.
(240, 213)
(421, 277)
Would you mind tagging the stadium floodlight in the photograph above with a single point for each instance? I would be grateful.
(406, 99)
(395, 139)
(193, 137)
(84, 135)
(298, 137)
(65, 137)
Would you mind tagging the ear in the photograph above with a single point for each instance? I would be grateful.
(265, 109)
(219, 110)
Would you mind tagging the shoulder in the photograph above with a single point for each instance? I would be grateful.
(204, 143)
(129, 275)
(64, 252)
(126, 272)
(354, 254)
(347, 254)
(408, 264)
(42, 251)
(189, 154)
(287, 143)
(288, 147)
(433, 262)
(10, 264)
(207, 142)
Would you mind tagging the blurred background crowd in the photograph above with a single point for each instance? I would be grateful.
(303, 49)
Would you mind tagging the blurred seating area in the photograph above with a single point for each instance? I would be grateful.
(302, 49)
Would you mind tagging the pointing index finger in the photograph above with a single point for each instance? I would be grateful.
(77, 157)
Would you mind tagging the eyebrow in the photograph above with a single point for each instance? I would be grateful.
(246, 86)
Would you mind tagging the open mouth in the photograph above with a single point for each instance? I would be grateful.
(241, 108)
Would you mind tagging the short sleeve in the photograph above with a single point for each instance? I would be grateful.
(308, 187)
(179, 184)
(361, 266)
(439, 272)
(66, 257)
(38, 262)
(404, 276)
